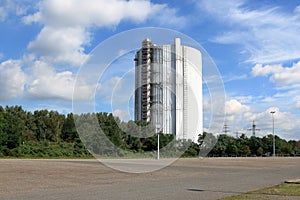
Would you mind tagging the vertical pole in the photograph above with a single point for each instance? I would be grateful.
(273, 138)
(157, 146)
(274, 153)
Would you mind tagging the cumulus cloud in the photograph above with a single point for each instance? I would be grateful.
(239, 118)
(267, 34)
(63, 45)
(279, 74)
(235, 107)
(66, 31)
(93, 12)
(12, 79)
(236, 113)
(46, 83)
(283, 125)
(67, 24)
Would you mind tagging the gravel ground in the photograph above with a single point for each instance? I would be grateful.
(208, 178)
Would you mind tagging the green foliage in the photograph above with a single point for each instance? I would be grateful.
(260, 151)
(47, 134)
(244, 146)
(68, 131)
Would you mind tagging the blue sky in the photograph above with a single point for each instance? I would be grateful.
(255, 45)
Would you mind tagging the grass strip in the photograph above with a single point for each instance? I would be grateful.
(277, 192)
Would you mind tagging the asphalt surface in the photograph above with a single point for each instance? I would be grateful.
(208, 178)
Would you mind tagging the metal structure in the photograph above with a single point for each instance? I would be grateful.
(274, 153)
(226, 128)
(168, 82)
(253, 129)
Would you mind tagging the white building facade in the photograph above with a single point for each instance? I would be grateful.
(168, 82)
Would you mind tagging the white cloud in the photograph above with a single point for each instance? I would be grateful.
(2, 14)
(93, 12)
(12, 79)
(122, 114)
(67, 24)
(297, 10)
(297, 105)
(12, 8)
(36, 17)
(244, 99)
(280, 75)
(236, 114)
(235, 107)
(296, 99)
(46, 83)
(287, 81)
(283, 126)
(267, 34)
(63, 45)
(239, 118)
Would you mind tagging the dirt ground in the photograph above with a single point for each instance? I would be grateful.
(207, 178)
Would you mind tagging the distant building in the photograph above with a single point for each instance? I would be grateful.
(168, 80)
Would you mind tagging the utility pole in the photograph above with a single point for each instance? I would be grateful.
(158, 133)
(226, 128)
(158, 145)
(253, 129)
(273, 112)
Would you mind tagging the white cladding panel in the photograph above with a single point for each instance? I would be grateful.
(167, 90)
(176, 72)
(193, 120)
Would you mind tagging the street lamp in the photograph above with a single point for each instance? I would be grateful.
(158, 133)
(157, 146)
(273, 112)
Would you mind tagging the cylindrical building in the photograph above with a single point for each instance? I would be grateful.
(168, 82)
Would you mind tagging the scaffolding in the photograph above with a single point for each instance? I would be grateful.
(146, 80)
(165, 86)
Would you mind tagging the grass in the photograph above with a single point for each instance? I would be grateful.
(282, 191)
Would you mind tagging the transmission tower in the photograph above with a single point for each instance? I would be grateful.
(226, 128)
(253, 129)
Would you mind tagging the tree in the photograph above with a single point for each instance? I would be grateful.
(30, 129)
(260, 151)
(246, 150)
(68, 130)
(54, 126)
(206, 142)
(14, 126)
(40, 119)
(3, 135)
(254, 144)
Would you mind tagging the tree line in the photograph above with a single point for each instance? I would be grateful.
(250, 146)
(44, 133)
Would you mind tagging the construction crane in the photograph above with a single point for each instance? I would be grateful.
(253, 129)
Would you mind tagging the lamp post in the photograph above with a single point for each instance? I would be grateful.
(273, 112)
(158, 146)
(158, 133)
